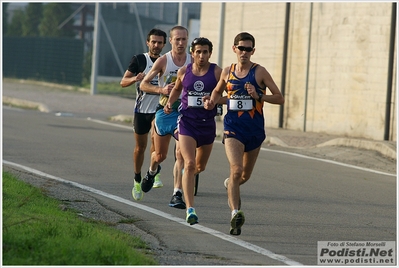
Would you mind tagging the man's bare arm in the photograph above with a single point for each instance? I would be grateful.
(276, 97)
(157, 68)
(211, 101)
(178, 87)
(129, 78)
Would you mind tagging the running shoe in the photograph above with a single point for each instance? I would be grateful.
(177, 201)
(226, 182)
(191, 217)
(148, 181)
(236, 223)
(157, 181)
(137, 193)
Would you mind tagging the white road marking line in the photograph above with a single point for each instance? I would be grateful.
(280, 152)
(331, 162)
(109, 124)
(204, 229)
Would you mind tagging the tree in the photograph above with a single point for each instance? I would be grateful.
(33, 16)
(15, 27)
(5, 17)
(53, 15)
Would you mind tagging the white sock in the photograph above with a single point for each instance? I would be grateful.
(234, 212)
(151, 171)
(175, 190)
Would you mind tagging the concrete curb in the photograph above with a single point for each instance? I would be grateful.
(25, 104)
(363, 144)
(345, 142)
(48, 84)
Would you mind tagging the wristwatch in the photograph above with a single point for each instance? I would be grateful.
(260, 97)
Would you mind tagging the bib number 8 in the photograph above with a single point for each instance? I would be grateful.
(240, 105)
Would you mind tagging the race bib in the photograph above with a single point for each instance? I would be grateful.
(240, 103)
(194, 99)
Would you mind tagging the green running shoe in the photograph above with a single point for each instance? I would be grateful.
(137, 193)
(157, 181)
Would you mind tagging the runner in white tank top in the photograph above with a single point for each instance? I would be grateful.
(145, 105)
(166, 125)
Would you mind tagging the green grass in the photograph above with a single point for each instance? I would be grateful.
(105, 88)
(115, 89)
(37, 232)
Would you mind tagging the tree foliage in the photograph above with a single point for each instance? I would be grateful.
(33, 16)
(38, 19)
(15, 27)
(5, 17)
(54, 14)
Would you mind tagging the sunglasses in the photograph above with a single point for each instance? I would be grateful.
(247, 49)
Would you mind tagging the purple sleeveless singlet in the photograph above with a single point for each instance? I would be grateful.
(194, 120)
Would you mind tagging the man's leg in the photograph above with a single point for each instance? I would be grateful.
(138, 153)
(142, 126)
(177, 197)
(234, 152)
(241, 164)
(138, 158)
(157, 180)
(249, 161)
(187, 148)
(161, 145)
(202, 156)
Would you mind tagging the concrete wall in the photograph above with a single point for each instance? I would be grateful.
(337, 73)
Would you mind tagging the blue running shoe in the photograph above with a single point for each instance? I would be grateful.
(191, 217)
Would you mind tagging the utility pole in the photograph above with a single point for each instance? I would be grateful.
(180, 17)
(221, 33)
(96, 50)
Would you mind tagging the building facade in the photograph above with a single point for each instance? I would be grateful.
(335, 62)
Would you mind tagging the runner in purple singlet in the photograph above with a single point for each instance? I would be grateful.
(196, 126)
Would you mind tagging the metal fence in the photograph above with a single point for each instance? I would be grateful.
(58, 60)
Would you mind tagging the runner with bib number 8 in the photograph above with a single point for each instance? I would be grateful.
(244, 123)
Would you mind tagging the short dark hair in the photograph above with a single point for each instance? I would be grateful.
(202, 41)
(157, 32)
(244, 36)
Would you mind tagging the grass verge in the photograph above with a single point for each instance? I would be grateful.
(114, 89)
(37, 232)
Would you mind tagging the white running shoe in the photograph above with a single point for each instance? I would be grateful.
(226, 182)
(237, 221)
(137, 193)
(157, 182)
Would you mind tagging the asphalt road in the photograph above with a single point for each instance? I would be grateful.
(290, 203)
